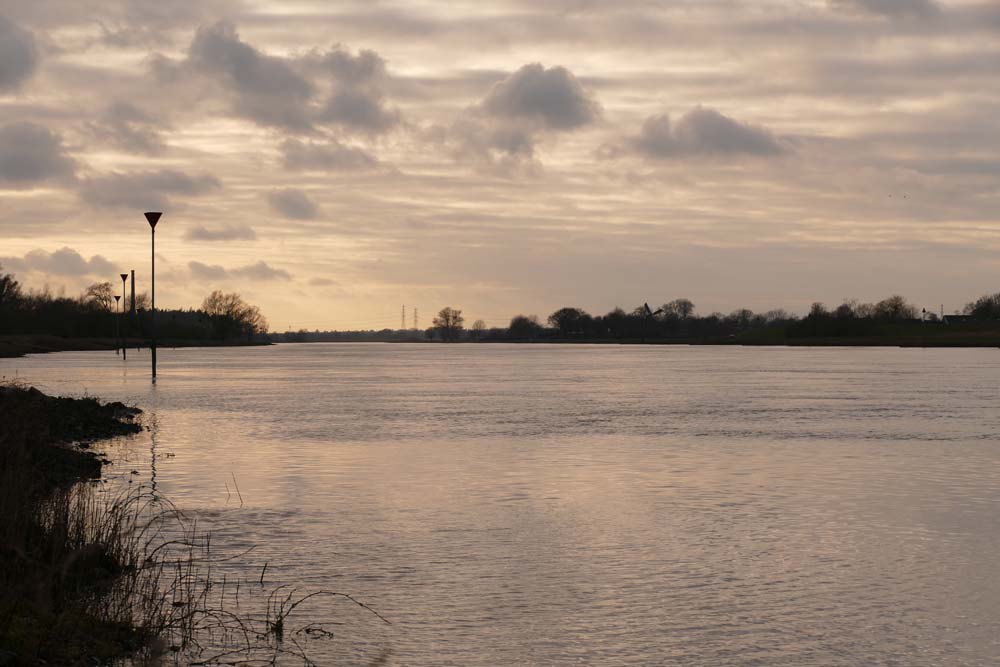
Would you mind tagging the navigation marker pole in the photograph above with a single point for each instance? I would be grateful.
(153, 217)
(123, 327)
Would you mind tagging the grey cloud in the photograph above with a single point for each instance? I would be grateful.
(323, 282)
(18, 55)
(223, 233)
(357, 101)
(503, 129)
(890, 8)
(361, 109)
(31, 154)
(129, 128)
(333, 156)
(260, 271)
(293, 204)
(207, 271)
(364, 68)
(145, 190)
(266, 89)
(702, 131)
(62, 262)
(275, 91)
(553, 97)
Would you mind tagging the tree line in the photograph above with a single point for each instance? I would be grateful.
(93, 314)
(679, 320)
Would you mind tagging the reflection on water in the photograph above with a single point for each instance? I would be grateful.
(604, 505)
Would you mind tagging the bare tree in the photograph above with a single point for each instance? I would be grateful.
(679, 308)
(449, 322)
(243, 316)
(478, 328)
(142, 301)
(100, 295)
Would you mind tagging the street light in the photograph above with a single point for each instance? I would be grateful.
(122, 340)
(153, 217)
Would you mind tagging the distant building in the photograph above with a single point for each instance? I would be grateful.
(958, 319)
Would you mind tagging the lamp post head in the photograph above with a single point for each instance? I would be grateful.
(152, 217)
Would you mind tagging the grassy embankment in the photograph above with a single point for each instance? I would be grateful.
(61, 555)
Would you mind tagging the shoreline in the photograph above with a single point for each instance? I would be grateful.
(12, 347)
(59, 553)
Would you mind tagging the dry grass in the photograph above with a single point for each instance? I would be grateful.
(87, 578)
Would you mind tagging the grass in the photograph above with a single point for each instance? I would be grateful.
(87, 578)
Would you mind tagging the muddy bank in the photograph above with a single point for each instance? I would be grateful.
(18, 346)
(57, 560)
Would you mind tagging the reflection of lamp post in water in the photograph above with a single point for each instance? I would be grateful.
(117, 323)
(152, 217)
(122, 340)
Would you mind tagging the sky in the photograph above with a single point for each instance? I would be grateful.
(335, 161)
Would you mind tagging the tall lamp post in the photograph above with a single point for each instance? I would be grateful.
(123, 334)
(153, 217)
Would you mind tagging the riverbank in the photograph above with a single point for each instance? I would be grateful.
(18, 346)
(62, 554)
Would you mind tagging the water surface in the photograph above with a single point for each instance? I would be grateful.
(597, 505)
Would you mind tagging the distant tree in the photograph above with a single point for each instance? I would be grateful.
(742, 318)
(524, 327)
(985, 307)
(449, 323)
(895, 309)
(569, 320)
(234, 314)
(817, 310)
(10, 289)
(616, 323)
(478, 329)
(679, 308)
(866, 311)
(845, 311)
(142, 301)
(777, 315)
(100, 296)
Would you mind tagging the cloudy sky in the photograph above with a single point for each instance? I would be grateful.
(333, 161)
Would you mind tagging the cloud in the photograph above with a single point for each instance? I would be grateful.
(503, 129)
(890, 8)
(261, 271)
(357, 101)
(129, 128)
(266, 89)
(31, 154)
(276, 91)
(323, 282)
(235, 232)
(62, 262)
(360, 109)
(333, 156)
(552, 98)
(293, 204)
(702, 131)
(207, 271)
(145, 190)
(18, 55)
